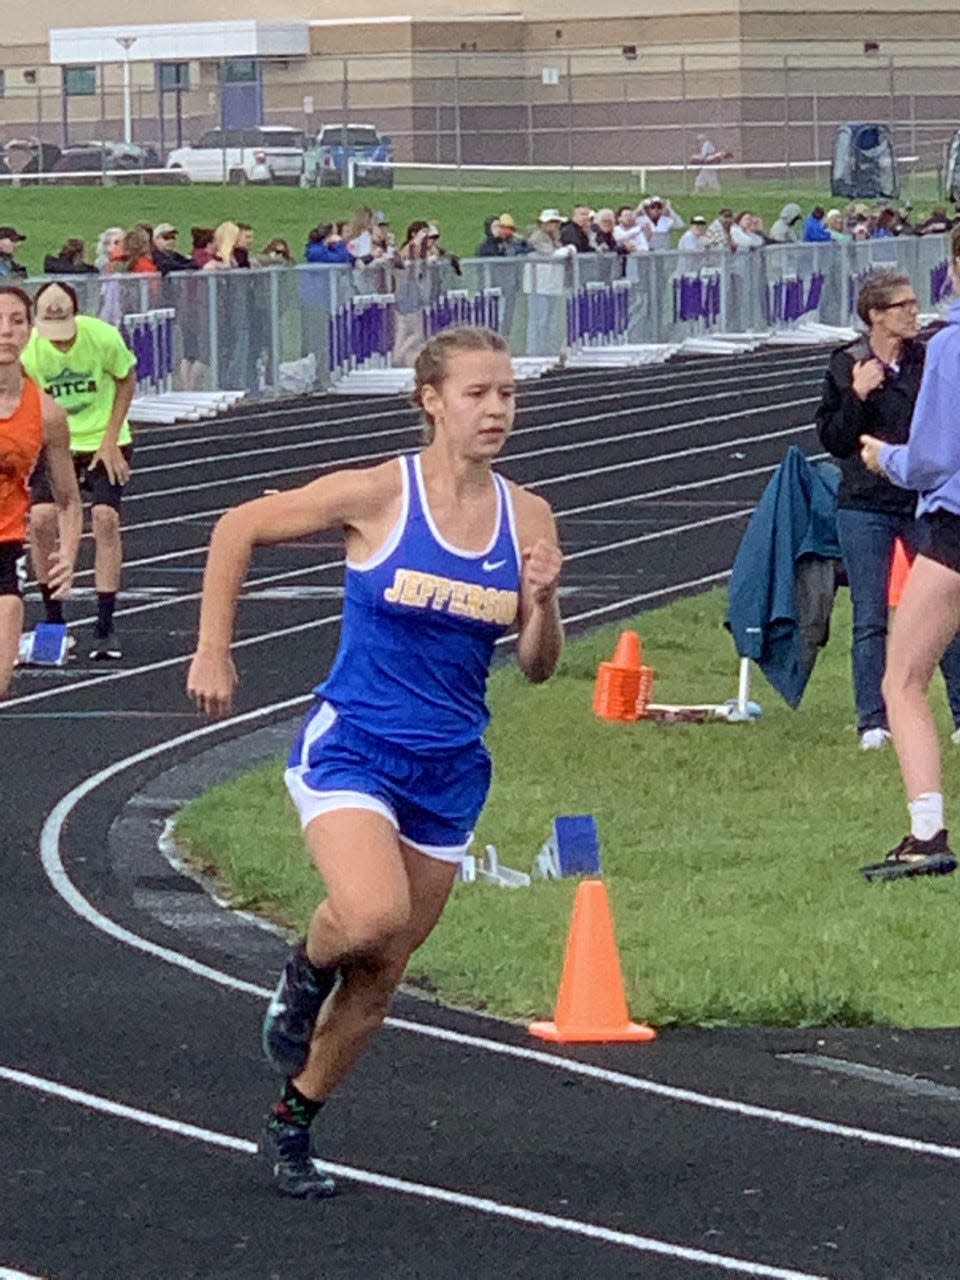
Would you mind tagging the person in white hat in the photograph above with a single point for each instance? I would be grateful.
(97, 401)
(547, 282)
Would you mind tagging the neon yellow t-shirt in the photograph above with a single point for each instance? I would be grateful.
(82, 379)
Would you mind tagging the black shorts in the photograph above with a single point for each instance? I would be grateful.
(13, 569)
(94, 485)
(938, 538)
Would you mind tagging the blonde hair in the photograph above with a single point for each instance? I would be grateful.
(225, 241)
(433, 363)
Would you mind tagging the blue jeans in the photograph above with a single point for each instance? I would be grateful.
(866, 541)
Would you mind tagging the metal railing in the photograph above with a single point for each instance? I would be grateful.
(281, 331)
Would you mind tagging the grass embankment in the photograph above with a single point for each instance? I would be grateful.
(50, 215)
(731, 852)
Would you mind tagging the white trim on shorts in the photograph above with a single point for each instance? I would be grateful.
(311, 804)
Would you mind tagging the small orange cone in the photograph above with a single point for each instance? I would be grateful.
(618, 682)
(629, 651)
(899, 572)
(591, 1005)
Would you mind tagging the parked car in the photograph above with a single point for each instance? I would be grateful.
(325, 163)
(29, 155)
(231, 155)
(89, 163)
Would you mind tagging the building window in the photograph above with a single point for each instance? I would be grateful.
(240, 71)
(79, 82)
(173, 75)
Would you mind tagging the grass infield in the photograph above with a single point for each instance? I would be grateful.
(731, 852)
(50, 215)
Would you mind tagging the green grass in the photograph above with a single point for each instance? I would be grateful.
(50, 215)
(731, 852)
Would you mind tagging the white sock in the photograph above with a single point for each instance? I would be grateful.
(926, 815)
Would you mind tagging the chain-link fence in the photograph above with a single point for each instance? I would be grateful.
(611, 108)
(283, 331)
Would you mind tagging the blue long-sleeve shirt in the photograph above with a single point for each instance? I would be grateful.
(930, 460)
(815, 232)
(317, 251)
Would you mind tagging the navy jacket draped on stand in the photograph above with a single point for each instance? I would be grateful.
(783, 580)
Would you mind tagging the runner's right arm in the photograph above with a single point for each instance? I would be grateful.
(63, 482)
(352, 500)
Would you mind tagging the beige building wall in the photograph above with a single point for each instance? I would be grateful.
(764, 78)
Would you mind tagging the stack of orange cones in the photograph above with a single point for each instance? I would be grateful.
(591, 1005)
(899, 572)
(618, 682)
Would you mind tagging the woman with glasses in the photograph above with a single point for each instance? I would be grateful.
(928, 618)
(870, 388)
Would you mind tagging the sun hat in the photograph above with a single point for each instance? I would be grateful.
(506, 220)
(550, 215)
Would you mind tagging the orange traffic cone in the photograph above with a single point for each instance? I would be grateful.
(618, 682)
(591, 1005)
(629, 651)
(899, 572)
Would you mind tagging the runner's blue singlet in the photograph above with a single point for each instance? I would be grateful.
(420, 620)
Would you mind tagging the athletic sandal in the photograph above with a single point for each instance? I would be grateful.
(913, 857)
(293, 1011)
(285, 1148)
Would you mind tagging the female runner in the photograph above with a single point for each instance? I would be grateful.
(389, 772)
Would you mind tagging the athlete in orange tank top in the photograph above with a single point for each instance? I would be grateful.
(21, 439)
(29, 421)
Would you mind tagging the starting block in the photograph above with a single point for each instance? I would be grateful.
(490, 868)
(572, 850)
(46, 645)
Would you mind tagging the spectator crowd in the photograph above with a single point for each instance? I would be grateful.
(368, 238)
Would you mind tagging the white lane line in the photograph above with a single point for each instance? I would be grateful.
(7, 1274)
(402, 1186)
(56, 872)
(652, 534)
(162, 664)
(168, 603)
(692, 452)
(315, 466)
(532, 394)
(661, 407)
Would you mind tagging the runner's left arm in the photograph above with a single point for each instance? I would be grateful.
(116, 465)
(540, 634)
(63, 482)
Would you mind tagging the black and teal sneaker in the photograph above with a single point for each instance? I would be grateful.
(293, 1011)
(913, 857)
(285, 1148)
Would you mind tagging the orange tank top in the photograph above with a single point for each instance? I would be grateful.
(21, 439)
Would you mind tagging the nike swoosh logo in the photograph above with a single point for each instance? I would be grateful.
(489, 566)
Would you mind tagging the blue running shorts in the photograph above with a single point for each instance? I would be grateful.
(433, 801)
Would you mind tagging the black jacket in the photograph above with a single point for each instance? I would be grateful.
(168, 260)
(570, 233)
(842, 417)
(54, 265)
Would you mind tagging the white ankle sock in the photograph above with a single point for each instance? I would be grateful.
(926, 815)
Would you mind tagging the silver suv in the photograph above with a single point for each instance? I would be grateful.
(269, 153)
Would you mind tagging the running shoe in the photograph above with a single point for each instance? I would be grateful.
(874, 739)
(913, 857)
(106, 648)
(285, 1148)
(293, 1011)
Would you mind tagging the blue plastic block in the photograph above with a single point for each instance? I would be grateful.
(49, 647)
(577, 844)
